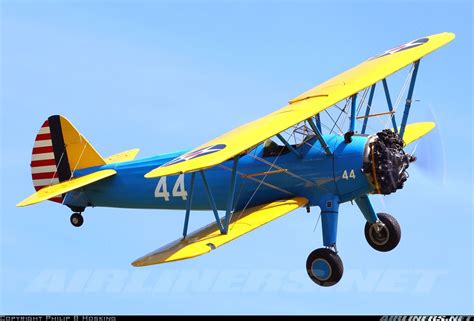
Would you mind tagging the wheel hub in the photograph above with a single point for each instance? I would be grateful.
(321, 269)
(379, 234)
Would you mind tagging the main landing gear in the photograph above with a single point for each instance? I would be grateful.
(77, 219)
(383, 235)
(323, 265)
(382, 231)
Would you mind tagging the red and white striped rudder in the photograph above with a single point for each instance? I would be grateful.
(44, 169)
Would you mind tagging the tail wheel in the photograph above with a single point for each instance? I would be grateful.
(324, 267)
(77, 219)
(385, 235)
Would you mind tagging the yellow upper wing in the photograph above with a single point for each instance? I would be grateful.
(64, 187)
(315, 100)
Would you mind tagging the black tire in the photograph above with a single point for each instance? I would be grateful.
(76, 219)
(328, 270)
(388, 238)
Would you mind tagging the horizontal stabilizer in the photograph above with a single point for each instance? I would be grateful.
(125, 156)
(417, 130)
(209, 237)
(66, 186)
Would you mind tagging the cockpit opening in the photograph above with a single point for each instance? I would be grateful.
(300, 135)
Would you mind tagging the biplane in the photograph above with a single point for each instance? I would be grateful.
(260, 171)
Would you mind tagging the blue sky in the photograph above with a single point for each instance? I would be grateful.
(165, 76)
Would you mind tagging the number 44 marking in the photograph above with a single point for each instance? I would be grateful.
(351, 174)
(161, 189)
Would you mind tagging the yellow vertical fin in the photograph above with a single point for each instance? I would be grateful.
(81, 154)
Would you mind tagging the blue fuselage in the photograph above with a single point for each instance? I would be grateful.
(313, 176)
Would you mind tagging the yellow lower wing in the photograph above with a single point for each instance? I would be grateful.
(64, 187)
(417, 130)
(209, 237)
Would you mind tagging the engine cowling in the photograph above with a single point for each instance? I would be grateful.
(386, 163)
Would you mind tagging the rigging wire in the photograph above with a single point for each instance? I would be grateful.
(256, 190)
(401, 93)
(335, 122)
(364, 94)
(317, 222)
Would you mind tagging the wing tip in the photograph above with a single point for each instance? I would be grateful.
(137, 263)
(445, 37)
(22, 204)
(430, 125)
(27, 201)
(451, 35)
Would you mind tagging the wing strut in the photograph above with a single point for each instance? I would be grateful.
(317, 132)
(353, 113)
(223, 228)
(409, 97)
(390, 106)
(369, 106)
(284, 141)
(189, 204)
(318, 122)
(212, 202)
(230, 198)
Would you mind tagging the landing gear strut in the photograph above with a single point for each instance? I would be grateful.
(77, 219)
(323, 265)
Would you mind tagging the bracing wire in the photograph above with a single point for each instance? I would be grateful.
(78, 161)
(258, 187)
(317, 222)
(401, 93)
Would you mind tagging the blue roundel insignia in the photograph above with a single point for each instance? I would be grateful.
(197, 153)
(411, 44)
